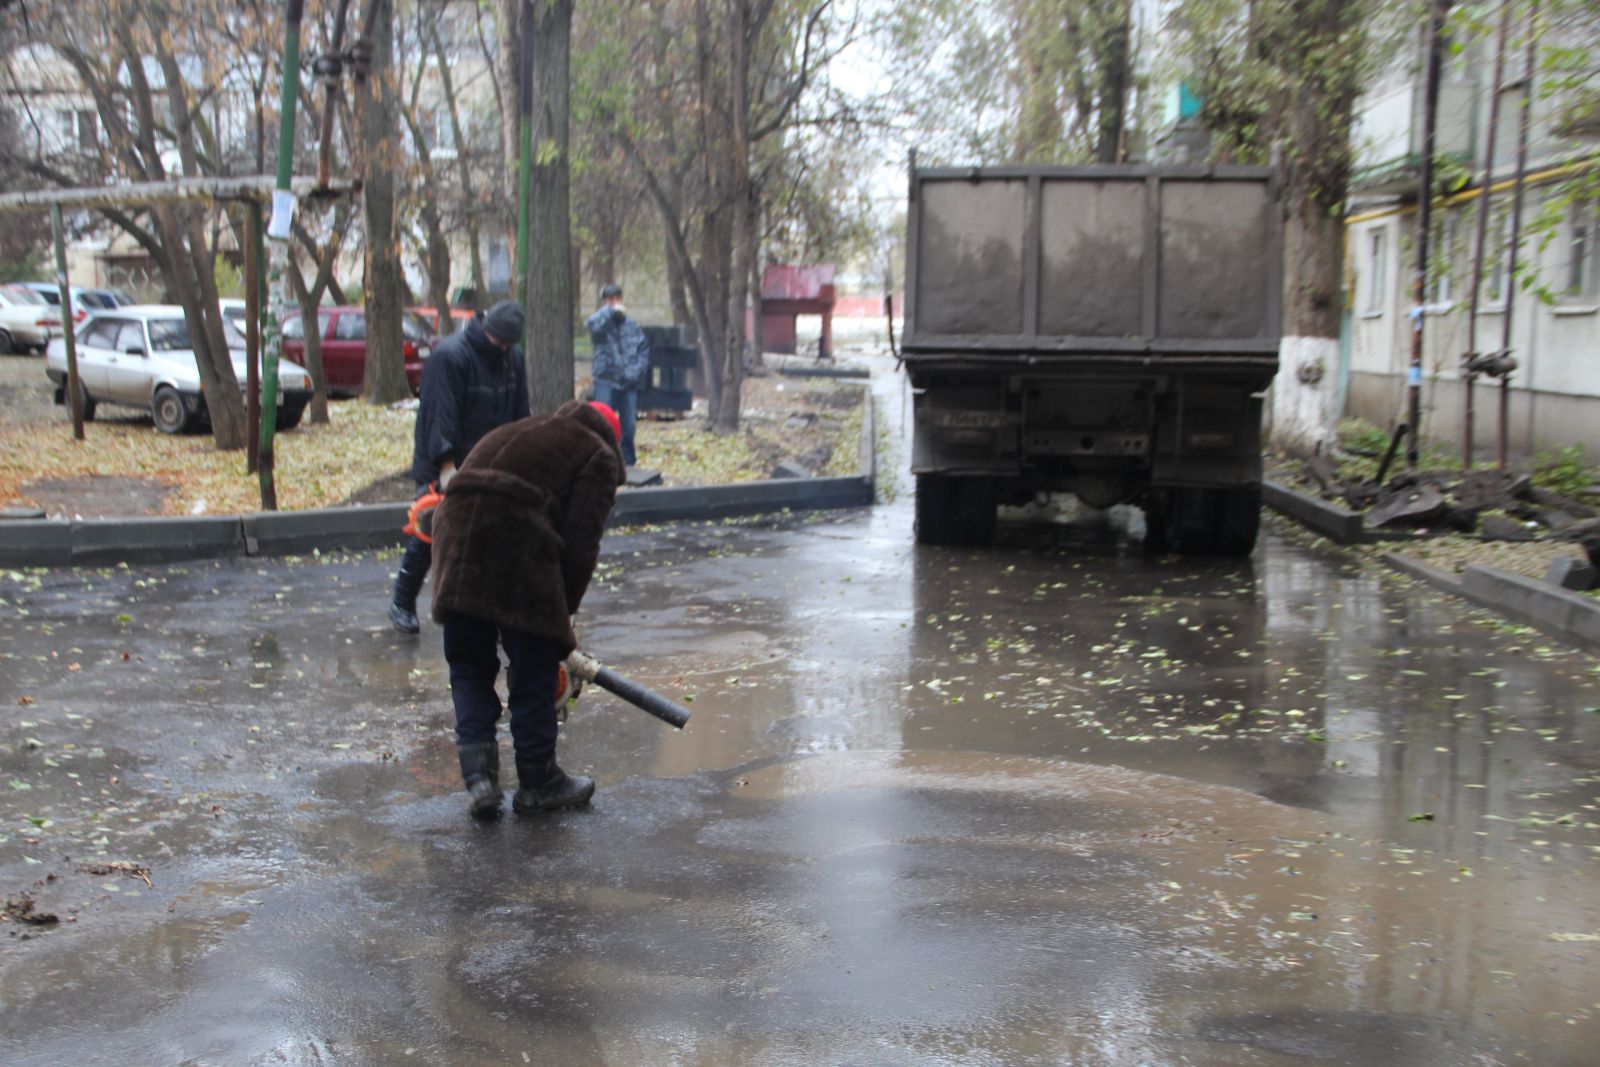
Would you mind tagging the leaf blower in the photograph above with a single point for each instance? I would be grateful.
(581, 667)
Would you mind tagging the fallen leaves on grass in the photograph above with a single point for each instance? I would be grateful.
(315, 466)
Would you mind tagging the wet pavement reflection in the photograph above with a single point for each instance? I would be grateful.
(1057, 802)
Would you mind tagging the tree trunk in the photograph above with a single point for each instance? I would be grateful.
(681, 315)
(1316, 175)
(317, 413)
(1113, 80)
(758, 335)
(378, 97)
(549, 283)
(716, 245)
(463, 169)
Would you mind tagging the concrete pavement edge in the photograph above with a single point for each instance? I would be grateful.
(101, 542)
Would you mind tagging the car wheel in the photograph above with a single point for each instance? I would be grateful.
(86, 402)
(7, 346)
(168, 411)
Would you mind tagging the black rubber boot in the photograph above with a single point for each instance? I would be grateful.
(480, 771)
(543, 786)
(403, 608)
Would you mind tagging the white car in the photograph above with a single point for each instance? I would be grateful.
(140, 356)
(26, 320)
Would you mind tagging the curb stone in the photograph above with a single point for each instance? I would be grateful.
(97, 542)
(1561, 613)
(1330, 520)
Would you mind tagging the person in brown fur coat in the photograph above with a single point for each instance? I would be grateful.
(515, 542)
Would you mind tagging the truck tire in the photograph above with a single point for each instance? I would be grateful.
(1238, 521)
(1191, 521)
(1214, 522)
(955, 511)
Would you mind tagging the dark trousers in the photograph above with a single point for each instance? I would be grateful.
(472, 648)
(414, 566)
(625, 402)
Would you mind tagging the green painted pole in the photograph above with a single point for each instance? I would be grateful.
(74, 389)
(278, 233)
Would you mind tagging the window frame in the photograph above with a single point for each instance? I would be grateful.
(1375, 300)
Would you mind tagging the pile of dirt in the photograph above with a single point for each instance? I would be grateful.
(1485, 505)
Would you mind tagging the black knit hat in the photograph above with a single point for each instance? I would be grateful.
(505, 321)
(609, 290)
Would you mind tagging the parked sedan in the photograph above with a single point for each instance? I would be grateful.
(344, 346)
(26, 320)
(430, 316)
(140, 356)
(85, 302)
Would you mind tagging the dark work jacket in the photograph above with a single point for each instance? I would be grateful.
(469, 387)
(517, 536)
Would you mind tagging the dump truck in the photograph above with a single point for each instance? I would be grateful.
(1108, 331)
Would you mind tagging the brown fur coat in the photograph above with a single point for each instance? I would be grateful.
(517, 536)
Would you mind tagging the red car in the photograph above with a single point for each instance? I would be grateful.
(344, 346)
(461, 316)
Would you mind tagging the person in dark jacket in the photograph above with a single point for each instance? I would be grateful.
(516, 540)
(474, 382)
(621, 362)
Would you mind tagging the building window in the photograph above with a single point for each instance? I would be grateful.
(1583, 251)
(88, 130)
(438, 135)
(1496, 259)
(1377, 271)
(1444, 259)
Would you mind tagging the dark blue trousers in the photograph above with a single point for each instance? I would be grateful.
(625, 402)
(472, 648)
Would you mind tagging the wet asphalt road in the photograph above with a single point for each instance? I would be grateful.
(1057, 803)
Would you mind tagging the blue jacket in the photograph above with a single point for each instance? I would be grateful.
(621, 350)
(469, 387)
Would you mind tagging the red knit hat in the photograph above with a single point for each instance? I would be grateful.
(611, 417)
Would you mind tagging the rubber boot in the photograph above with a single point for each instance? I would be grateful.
(403, 608)
(480, 771)
(543, 786)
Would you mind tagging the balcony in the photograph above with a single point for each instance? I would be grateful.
(1388, 135)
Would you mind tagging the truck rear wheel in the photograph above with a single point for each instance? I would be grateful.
(1214, 522)
(1238, 521)
(955, 511)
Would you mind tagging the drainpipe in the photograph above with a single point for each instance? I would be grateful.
(1469, 373)
(1430, 108)
(1524, 120)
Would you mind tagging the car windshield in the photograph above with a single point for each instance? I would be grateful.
(97, 300)
(414, 327)
(172, 335)
(18, 295)
(169, 335)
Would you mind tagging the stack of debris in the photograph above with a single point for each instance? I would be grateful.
(1496, 505)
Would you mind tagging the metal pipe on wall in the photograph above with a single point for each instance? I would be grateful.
(1469, 374)
(1524, 121)
(1424, 221)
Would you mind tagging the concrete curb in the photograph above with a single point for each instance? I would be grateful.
(1330, 520)
(98, 542)
(288, 533)
(1561, 613)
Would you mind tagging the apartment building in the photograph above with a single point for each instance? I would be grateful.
(1551, 329)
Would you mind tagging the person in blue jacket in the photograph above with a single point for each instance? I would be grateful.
(474, 382)
(621, 362)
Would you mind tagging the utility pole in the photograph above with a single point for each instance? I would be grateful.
(279, 231)
(1469, 362)
(1430, 109)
